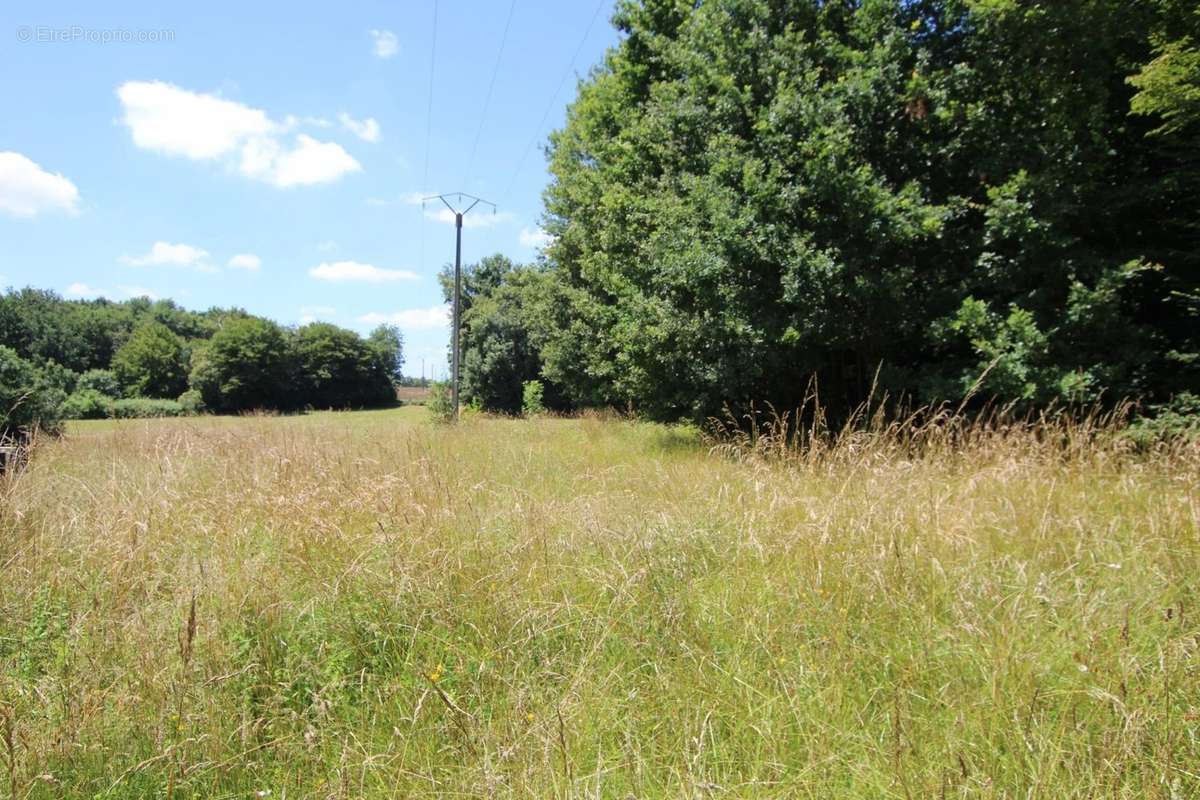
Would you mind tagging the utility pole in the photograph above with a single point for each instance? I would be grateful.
(457, 313)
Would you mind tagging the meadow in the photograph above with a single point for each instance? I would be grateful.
(370, 605)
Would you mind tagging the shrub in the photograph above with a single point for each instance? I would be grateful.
(86, 404)
(191, 402)
(103, 381)
(145, 408)
(440, 405)
(27, 402)
(1178, 419)
(532, 399)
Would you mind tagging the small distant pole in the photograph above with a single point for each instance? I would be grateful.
(457, 314)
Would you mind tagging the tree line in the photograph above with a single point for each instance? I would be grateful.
(141, 357)
(990, 200)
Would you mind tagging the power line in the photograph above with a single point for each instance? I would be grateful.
(428, 123)
(550, 105)
(488, 99)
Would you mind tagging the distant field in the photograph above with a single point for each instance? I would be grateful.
(369, 605)
(413, 395)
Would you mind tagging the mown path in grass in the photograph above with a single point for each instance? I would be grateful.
(384, 607)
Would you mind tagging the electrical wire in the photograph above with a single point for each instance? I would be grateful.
(488, 98)
(428, 125)
(550, 105)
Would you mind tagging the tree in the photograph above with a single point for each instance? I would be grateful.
(749, 194)
(388, 344)
(151, 363)
(27, 401)
(243, 366)
(338, 369)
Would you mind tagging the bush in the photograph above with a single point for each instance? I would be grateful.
(86, 404)
(103, 381)
(532, 399)
(440, 404)
(1178, 419)
(145, 408)
(27, 401)
(191, 402)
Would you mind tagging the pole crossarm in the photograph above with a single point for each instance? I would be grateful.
(459, 197)
(457, 315)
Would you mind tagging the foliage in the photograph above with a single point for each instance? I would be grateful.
(749, 194)
(86, 404)
(103, 381)
(145, 408)
(440, 403)
(151, 363)
(28, 401)
(191, 402)
(144, 348)
(338, 369)
(1177, 419)
(532, 403)
(388, 343)
(1169, 86)
(245, 365)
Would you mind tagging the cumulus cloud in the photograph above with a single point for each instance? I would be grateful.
(356, 271)
(246, 261)
(385, 43)
(82, 290)
(535, 238)
(167, 119)
(412, 318)
(171, 255)
(26, 189)
(366, 129)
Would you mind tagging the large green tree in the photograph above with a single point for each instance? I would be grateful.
(245, 365)
(751, 193)
(336, 368)
(151, 363)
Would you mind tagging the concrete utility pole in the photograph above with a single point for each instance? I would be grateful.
(457, 315)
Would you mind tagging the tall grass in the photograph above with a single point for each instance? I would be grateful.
(367, 605)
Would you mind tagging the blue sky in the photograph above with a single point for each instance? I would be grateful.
(266, 156)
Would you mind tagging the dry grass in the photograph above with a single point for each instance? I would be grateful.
(366, 605)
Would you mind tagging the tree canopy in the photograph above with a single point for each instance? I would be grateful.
(956, 194)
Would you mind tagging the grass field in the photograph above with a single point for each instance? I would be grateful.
(370, 605)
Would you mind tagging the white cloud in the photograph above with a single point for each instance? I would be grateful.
(139, 291)
(476, 219)
(311, 162)
(246, 261)
(535, 238)
(82, 290)
(174, 255)
(386, 44)
(355, 271)
(412, 318)
(168, 119)
(26, 189)
(365, 129)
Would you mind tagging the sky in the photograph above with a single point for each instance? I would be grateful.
(270, 156)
